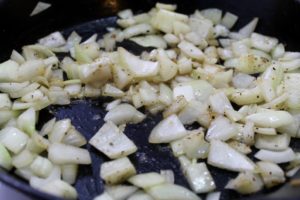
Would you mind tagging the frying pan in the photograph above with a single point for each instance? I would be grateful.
(279, 18)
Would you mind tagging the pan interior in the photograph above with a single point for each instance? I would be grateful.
(87, 116)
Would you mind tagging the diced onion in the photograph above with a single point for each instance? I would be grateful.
(170, 191)
(66, 154)
(223, 156)
(13, 139)
(147, 180)
(199, 178)
(112, 142)
(167, 130)
(120, 191)
(275, 156)
(246, 183)
(117, 171)
(240, 87)
(5, 158)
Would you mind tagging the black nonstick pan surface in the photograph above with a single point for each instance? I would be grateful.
(279, 18)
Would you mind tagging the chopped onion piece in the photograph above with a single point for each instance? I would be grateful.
(233, 115)
(171, 39)
(5, 102)
(24, 173)
(265, 131)
(138, 29)
(168, 175)
(148, 93)
(5, 158)
(249, 28)
(113, 104)
(150, 41)
(13, 139)
(278, 51)
(241, 80)
(139, 195)
(170, 191)
(26, 90)
(168, 69)
(23, 159)
(73, 89)
(184, 163)
(177, 147)
(290, 65)
(120, 191)
(37, 182)
(275, 156)
(271, 118)
(40, 7)
(37, 143)
(66, 154)
(203, 27)
(163, 20)
(223, 156)
(176, 106)
(9, 71)
(180, 28)
(192, 112)
(164, 6)
(213, 14)
(53, 40)
(200, 178)
(138, 67)
(117, 171)
(41, 167)
(195, 39)
(271, 173)
(59, 130)
(246, 183)
(74, 138)
(272, 142)
(125, 14)
(271, 78)
(184, 90)
(221, 129)
(147, 180)
(26, 121)
(124, 113)
(34, 96)
(249, 64)
(165, 94)
(191, 50)
(69, 173)
(17, 57)
(219, 102)
(58, 96)
(248, 133)
(112, 142)
(167, 130)
(90, 91)
(293, 92)
(292, 172)
(240, 147)
(247, 96)
(229, 19)
(13, 87)
(61, 189)
(213, 196)
(112, 91)
(103, 196)
(262, 42)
